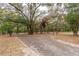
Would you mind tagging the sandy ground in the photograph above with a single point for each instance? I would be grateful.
(11, 46)
(65, 36)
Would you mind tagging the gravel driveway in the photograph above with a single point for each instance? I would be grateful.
(45, 46)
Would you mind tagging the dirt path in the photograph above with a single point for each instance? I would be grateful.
(46, 46)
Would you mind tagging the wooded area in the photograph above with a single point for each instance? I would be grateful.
(39, 17)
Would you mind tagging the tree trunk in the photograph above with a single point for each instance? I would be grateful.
(30, 29)
(17, 30)
(10, 34)
(75, 33)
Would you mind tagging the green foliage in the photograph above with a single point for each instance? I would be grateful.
(73, 20)
(7, 27)
(10, 21)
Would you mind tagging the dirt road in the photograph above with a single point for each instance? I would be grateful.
(45, 46)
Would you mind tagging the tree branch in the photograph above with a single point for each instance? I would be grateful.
(35, 10)
(19, 10)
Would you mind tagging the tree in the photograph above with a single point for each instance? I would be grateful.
(72, 10)
(30, 15)
(8, 21)
(73, 20)
(56, 12)
(7, 27)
